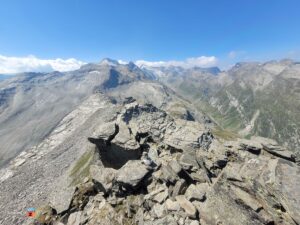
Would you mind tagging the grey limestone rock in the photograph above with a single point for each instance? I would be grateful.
(188, 207)
(172, 205)
(104, 176)
(196, 192)
(74, 218)
(132, 173)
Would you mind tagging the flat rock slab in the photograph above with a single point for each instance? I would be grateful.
(279, 152)
(188, 207)
(196, 192)
(188, 160)
(247, 199)
(179, 188)
(288, 175)
(161, 197)
(172, 205)
(61, 199)
(132, 173)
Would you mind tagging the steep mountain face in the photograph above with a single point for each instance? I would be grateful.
(108, 144)
(266, 99)
(251, 98)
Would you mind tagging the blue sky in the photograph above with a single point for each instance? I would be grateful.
(152, 30)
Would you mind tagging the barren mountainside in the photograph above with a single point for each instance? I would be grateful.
(32, 104)
(116, 144)
(250, 99)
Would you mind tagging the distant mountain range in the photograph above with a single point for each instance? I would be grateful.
(250, 98)
(3, 77)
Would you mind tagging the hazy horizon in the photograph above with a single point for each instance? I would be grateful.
(56, 35)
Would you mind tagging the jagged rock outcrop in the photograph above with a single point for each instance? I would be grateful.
(174, 178)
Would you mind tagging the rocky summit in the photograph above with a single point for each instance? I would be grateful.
(132, 151)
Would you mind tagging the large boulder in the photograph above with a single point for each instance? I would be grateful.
(61, 199)
(132, 173)
(103, 176)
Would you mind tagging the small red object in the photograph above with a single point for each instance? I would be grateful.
(30, 214)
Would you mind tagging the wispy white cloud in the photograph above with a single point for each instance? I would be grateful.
(11, 65)
(202, 61)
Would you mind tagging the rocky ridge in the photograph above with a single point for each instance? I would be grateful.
(148, 167)
(124, 149)
(61, 110)
(35, 103)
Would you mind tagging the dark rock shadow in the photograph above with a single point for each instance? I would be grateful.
(113, 155)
